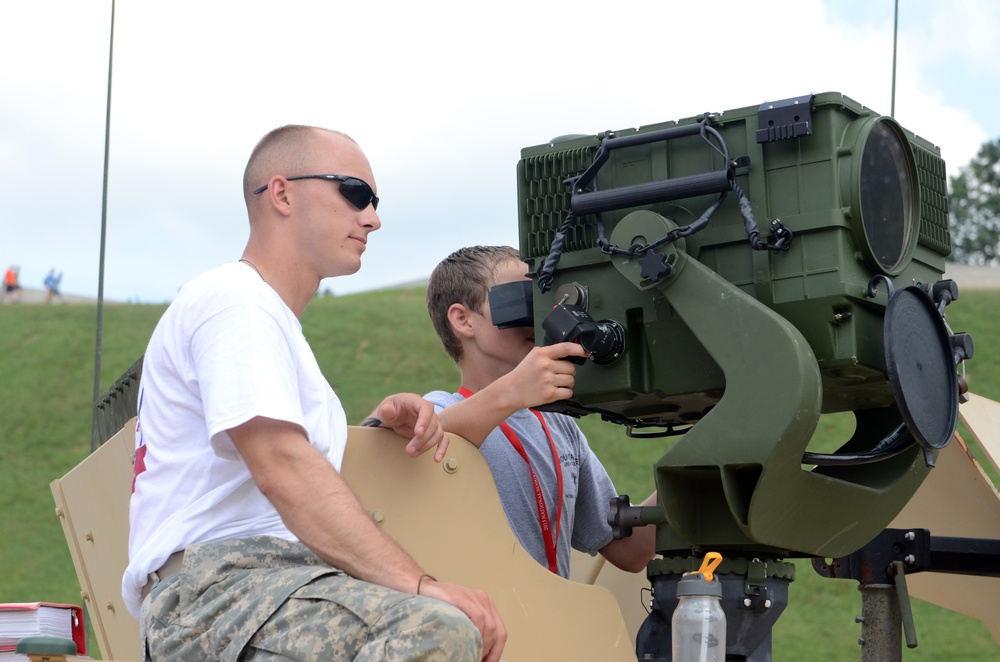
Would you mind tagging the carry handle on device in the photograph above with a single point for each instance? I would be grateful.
(688, 186)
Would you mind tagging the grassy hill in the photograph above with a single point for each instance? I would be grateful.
(368, 346)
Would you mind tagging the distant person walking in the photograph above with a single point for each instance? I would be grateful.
(11, 286)
(52, 285)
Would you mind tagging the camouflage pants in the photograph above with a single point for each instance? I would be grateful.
(262, 598)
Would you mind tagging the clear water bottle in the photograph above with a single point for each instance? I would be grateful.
(698, 626)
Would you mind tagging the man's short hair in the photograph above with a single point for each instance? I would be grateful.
(463, 277)
(287, 150)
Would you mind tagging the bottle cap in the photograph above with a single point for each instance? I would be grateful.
(703, 580)
(692, 584)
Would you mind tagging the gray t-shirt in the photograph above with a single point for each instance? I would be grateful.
(587, 488)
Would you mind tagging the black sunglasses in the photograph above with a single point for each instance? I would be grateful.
(356, 191)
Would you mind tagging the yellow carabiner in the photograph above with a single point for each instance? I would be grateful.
(711, 561)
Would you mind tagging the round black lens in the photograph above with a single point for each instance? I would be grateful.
(888, 188)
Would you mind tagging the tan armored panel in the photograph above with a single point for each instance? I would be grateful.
(958, 499)
(449, 517)
(631, 589)
(92, 504)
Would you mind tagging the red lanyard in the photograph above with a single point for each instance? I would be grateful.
(550, 538)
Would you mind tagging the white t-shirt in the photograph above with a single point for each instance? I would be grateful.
(227, 350)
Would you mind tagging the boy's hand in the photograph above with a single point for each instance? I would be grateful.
(411, 416)
(544, 376)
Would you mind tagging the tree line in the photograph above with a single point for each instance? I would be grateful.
(974, 198)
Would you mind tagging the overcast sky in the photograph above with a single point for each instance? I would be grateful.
(442, 96)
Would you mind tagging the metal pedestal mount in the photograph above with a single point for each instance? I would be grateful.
(880, 568)
(754, 594)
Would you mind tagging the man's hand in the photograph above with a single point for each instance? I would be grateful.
(543, 376)
(411, 416)
(479, 607)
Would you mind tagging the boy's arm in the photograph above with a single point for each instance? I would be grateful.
(543, 376)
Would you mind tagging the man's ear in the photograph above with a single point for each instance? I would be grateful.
(277, 195)
(460, 319)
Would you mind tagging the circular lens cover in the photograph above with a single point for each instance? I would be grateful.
(887, 197)
(920, 367)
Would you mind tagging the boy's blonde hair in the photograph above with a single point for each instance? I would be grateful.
(464, 277)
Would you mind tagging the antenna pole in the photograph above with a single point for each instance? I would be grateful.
(895, 36)
(104, 225)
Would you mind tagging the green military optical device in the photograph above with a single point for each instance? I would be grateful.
(734, 276)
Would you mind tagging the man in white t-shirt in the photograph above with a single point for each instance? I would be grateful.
(242, 529)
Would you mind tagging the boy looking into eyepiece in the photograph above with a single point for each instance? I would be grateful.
(554, 490)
